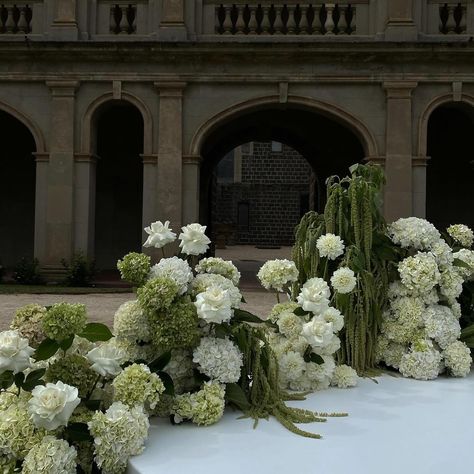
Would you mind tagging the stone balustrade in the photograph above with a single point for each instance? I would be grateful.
(286, 19)
(452, 18)
(123, 18)
(15, 18)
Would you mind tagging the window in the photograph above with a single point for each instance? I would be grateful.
(277, 147)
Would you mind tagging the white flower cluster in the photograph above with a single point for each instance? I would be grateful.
(203, 282)
(413, 232)
(219, 359)
(419, 273)
(343, 280)
(130, 322)
(277, 274)
(219, 266)
(176, 269)
(330, 246)
(462, 234)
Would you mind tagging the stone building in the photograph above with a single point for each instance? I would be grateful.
(115, 114)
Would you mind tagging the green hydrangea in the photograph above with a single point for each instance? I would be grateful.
(136, 385)
(28, 322)
(7, 464)
(177, 328)
(131, 323)
(81, 414)
(282, 308)
(157, 294)
(63, 320)
(135, 268)
(75, 370)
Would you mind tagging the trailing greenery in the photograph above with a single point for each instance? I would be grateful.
(352, 211)
(79, 271)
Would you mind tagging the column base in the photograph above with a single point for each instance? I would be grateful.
(53, 273)
(64, 31)
(401, 30)
(173, 32)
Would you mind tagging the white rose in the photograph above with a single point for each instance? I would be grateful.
(194, 241)
(106, 359)
(159, 235)
(52, 405)
(14, 352)
(318, 333)
(314, 296)
(334, 316)
(214, 305)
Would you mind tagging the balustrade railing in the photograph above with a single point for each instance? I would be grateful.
(123, 18)
(285, 19)
(15, 19)
(452, 18)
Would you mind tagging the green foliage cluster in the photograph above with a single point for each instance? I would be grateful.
(27, 272)
(80, 272)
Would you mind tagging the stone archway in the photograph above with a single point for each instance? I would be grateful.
(17, 189)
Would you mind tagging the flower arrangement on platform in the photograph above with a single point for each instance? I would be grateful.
(420, 330)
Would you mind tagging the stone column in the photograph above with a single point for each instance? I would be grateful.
(400, 23)
(41, 195)
(60, 195)
(84, 203)
(64, 27)
(398, 165)
(419, 186)
(191, 178)
(170, 153)
(172, 25)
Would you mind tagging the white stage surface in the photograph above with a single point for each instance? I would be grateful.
(398, 426)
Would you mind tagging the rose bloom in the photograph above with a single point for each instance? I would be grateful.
(159, 235)
(106, 359)
(52, 405)
(194, 241)
(14, 352)
(318, 333)
(214, 305)
(314, 295)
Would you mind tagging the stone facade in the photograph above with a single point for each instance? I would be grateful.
(337, 82)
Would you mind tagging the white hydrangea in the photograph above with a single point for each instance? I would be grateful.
(214, 305)
(50, 456)
(419, 273)
(343, 280)
(277, 274)
(219, 266)
(203, 282)
(413, 232)
(344, 376)
(457, 357)
(318, 332)
(219, 359)
(462, 234)
(314, 296)
(320, 375)
(330, 246)
(450, 283)
(396, 290)
(442, 253)
(130, 322)
(175, 268)
(390, 352)
(289, 324)
(466, 256)
(180, 369)
(441, 325)
(421, 364)
(119, 433)
(291, 366)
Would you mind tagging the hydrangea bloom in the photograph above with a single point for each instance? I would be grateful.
(118, 433)
(134, 268)
(443, 254)
(318, 376)
(159, 235)
(419, 273)
(51, 456)
(282, 308)
(330, 246)
(194, 241)
(344, 377)
(219, 266)
(462, 234)
(27, 321)
(343, 280)
(421, 364)
(441, 325)
(457, 358)
(466, 256)
(14, 352)
(219, 359)
(130, 322)
(204, 281)
(314, 296)
(214, 305)
(157, 294)
(180, 369)
(208, 404)
(451, 282)
(389, 352)
(413, 232)
(277, 274)
(136, 385)
(63, 320)
(176, 269)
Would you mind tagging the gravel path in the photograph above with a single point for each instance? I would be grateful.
(101, 307)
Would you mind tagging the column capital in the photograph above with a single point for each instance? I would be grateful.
(420, 161)
(85, 158)
(192, 160)
(149, 159)
(63, 88)
(376, 160)
(41, 157)
(399, 89)
(170, 88)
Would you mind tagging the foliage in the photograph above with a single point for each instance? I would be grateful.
(353, 211)
(2, 272)
(27, 272)
(80, 271)
(466, 301)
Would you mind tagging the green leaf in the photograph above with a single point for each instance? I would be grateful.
(46, 350)
(235, 395)
(461, 263)
(160, 362)
(316, 358)
(19, 379)
(78, 432)
(300, 312)
(167, 382)
(6, 379)
(96, 332)
(222, 330)
(241, 315)
(33, 379)
(93, 405)
(66, 343)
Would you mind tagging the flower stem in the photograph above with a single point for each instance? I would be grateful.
(278, 296)
(163, 252)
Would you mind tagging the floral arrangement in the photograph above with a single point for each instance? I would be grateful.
(420, 329)
(75, 397)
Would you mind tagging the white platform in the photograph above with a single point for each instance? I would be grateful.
(398, 426)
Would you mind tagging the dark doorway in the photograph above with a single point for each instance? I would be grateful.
(17, 191)
(119, 188)
(450, 171)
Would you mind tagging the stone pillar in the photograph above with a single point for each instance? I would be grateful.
(41, 195)
(64, 27)
(191, 178)
(398, 165)
(172, 25)
(400, 23)
(419, 186)
(60, 195)
(170, 153)
(84, 203)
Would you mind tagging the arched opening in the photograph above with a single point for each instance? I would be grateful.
(450, 171)
(17, 191)
(119, 182)
(275, 185)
